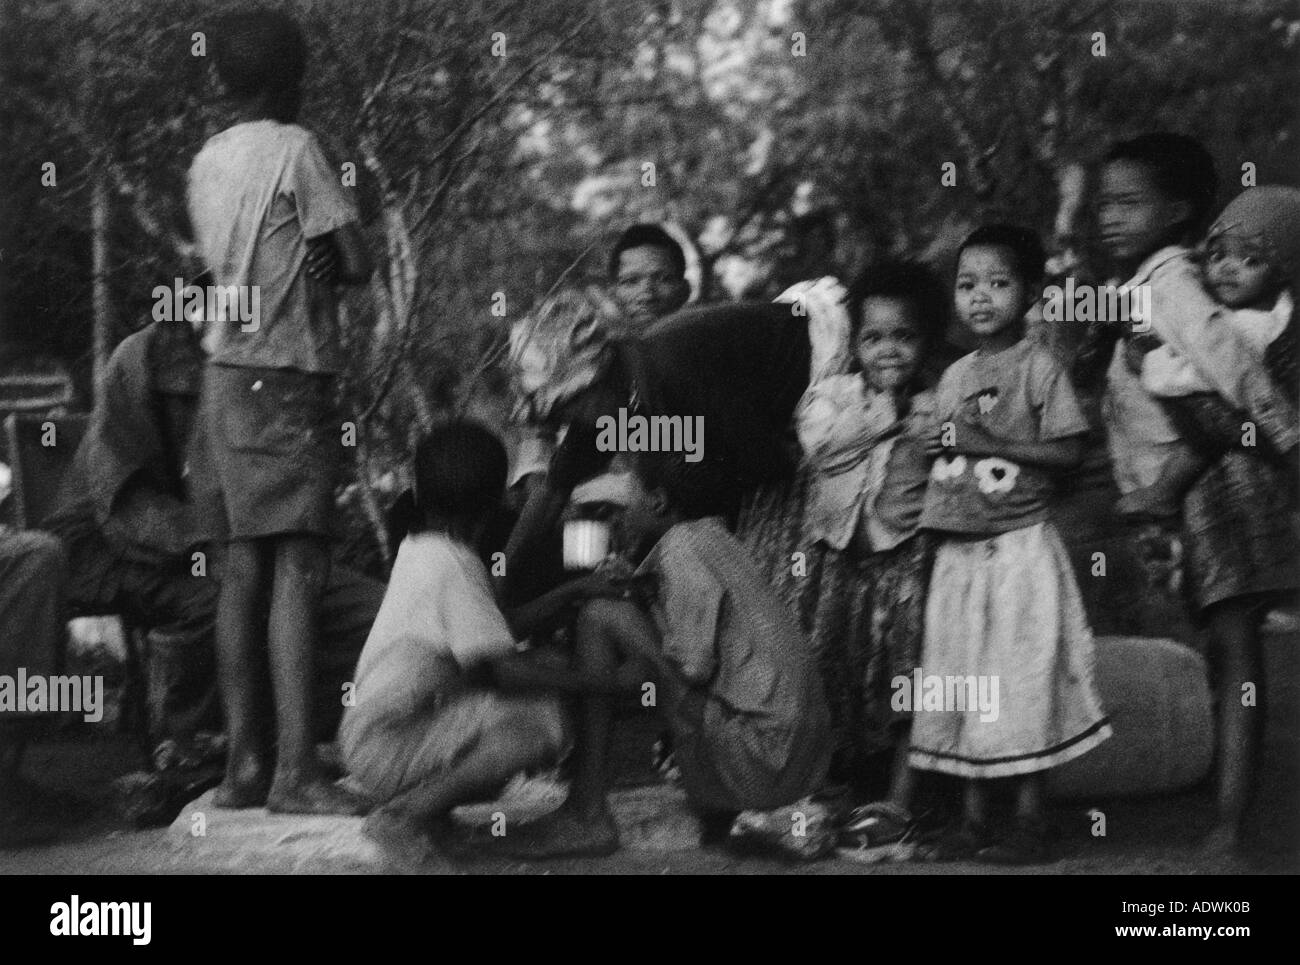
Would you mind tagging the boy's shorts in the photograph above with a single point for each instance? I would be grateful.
(390, 760)
(266, 453)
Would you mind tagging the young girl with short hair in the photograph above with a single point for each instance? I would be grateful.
(1004, 612)
(860, 432)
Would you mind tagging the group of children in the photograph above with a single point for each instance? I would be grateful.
(928, 506)
(1201, 418)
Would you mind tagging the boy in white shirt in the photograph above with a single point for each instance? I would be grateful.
(426, 732)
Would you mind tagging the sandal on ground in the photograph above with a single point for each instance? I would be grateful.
(878, 833)
(876, 824)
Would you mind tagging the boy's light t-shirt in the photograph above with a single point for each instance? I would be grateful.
(257, 191)
(1139, 432)
(1021, 393)
(438, 608)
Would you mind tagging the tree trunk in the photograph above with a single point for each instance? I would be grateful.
(102, 305)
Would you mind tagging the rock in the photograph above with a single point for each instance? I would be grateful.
(654, 817)
(1157, 696)
(257, 842)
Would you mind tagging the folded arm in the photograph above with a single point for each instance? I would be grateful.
(340, 257)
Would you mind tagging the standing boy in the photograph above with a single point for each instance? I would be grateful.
(264, 202)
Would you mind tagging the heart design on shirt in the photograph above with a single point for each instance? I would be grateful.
(995, 475)
(945, 468)
(987, 400)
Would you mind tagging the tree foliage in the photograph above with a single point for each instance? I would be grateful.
(500, 146)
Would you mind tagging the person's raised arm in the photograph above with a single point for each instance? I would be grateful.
(543, 505)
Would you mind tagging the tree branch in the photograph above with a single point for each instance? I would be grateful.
(459, 131)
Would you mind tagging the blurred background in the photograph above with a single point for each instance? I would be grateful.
(499, 148)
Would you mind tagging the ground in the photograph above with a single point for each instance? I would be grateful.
(1155, 835)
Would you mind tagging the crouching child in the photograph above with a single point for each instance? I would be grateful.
(422, 732)
(729, 667)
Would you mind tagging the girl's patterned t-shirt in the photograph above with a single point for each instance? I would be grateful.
(1021, 394)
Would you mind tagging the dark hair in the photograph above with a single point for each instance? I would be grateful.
(694, 489)
(460, 475)
(1180, 166)
(257, 51)
(1026, 250)
(648, 235)
(910, 282)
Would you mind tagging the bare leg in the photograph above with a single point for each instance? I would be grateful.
(1234, 625)
(975, 804)
(301, 568)
(613, 638)
(902, 779)
(961, 843)
(240, 638)
(1030, 795)
(596, 653)
(1028, 841)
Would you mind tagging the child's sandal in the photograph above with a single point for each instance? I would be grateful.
(877, 832)
(875, 824)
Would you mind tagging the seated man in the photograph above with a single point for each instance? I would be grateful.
(125, 520)
(730, 668)
(32, 576)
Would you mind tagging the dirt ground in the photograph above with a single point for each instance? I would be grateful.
(1155, 835)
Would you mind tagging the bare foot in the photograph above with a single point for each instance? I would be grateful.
(562, 834)
(314, 796)
(245, 786)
